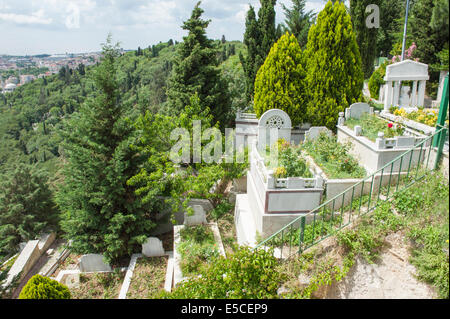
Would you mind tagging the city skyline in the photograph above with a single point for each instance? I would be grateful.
(31, 27)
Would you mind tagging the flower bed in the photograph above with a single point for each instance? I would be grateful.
(333, 157)
(148, 278)
(371, 125)
(427, 117)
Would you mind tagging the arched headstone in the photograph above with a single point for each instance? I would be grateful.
(153, 247)
(273, 121)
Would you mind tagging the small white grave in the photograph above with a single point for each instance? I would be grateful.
(198, 218)
(153, 247)
(93, 263)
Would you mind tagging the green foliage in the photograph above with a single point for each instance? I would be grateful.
(334, 72)
(280, 82)
(365, 37)
(39, 287)
(391, 25)
(101, 213)
(244, 274)
(195, 71)
(298, 21)
(371, 125)
(376, 80)
(26, 207)
(334, 157)
(289, 160)
(259, 36)
(197, 247)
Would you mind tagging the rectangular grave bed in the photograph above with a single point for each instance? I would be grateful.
(373, 155)
(148, 278)
(194, 246)
(99, 285)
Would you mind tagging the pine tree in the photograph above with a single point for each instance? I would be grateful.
(101, 213)
(280, 82)
(335, 78)
(195, 71)
(365, 37)
(26, 207)
(391, 12)
(298, 21)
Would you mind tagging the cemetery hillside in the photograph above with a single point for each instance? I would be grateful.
(308, 160)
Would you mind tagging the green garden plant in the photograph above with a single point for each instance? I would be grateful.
(39, 287)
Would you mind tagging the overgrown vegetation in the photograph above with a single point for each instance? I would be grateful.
(333, 157)
(197, 246)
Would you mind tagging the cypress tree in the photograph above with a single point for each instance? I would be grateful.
(101, 213)
(335, 78)
(280, 82)
(196, 70)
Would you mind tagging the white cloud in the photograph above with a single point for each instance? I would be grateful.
(73, 19)
(37, 17)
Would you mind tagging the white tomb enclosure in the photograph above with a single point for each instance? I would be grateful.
(405, 71)
(271, 203)
(375, 155)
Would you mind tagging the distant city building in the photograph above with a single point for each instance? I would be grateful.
(10, 87)
(26, 78)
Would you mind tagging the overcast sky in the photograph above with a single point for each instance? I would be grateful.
(75, 26)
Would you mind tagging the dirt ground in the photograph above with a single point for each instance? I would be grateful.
(392, 277)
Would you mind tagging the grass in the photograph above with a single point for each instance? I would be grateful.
(333, 157)
(148, 278)
(99, 286)
(371, 125)
(196, 247)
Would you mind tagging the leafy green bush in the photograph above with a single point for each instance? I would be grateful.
(39, 287)
(245, 274)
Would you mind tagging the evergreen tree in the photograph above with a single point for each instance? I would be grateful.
(391, 13)
(365, 37)
(260, 34)
(26, 207)
(101, 213)
(298, 21)
(195, 71)
(335, 78)
(280, 82)
(253, 60)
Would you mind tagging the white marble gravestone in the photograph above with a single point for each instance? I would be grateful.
(315, 131)
(273, 125)
(356, 110)
(153, 247)
(93, 263)
(198, 218)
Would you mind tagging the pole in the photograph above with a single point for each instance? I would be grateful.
(405, 29)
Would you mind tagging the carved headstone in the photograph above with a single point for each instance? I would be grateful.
(315, 131)
(356, 110)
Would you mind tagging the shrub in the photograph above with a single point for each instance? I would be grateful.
(39, 287)
(245, 274)
(376, 80)
(280, 81)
